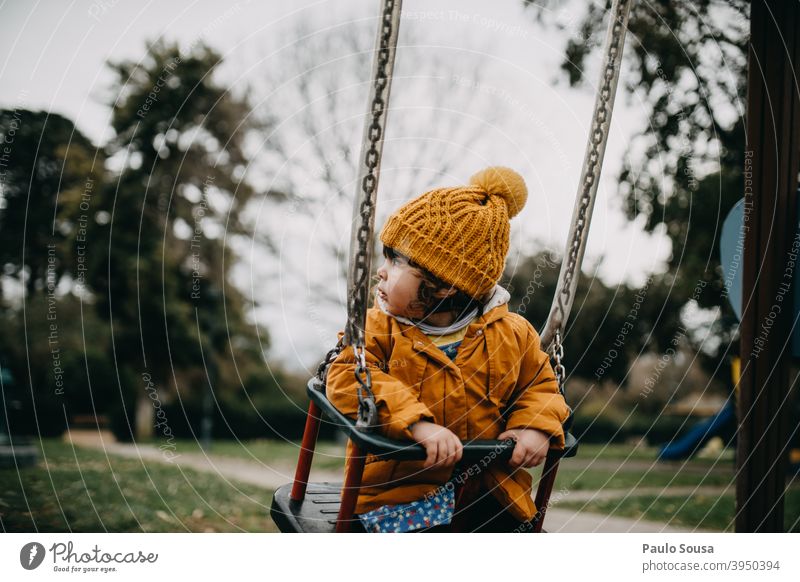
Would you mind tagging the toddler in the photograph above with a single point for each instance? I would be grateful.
(449, 363)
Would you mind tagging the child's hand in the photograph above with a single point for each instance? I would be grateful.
(442, 445)
(531, 448)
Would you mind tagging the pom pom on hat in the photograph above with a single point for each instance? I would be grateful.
(503, 182)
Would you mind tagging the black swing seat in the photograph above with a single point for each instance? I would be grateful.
(315, 514)
(318, 511)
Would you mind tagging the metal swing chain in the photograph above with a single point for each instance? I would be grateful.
(365, 209)
(558, 368)
(367, 409)
(593, 162)
(370, 169)
(322, 369)
(364, 213)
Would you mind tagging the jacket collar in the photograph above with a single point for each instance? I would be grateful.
(496, 308)
(500, 297)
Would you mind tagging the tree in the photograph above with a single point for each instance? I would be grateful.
(49, 171)
(683, 173)
(162, 273)
(608, 327)
(46, 166)
(58, 375)
(441, 120)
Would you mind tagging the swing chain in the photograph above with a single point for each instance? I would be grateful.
(594, 155)
(367, 411)
(369, 184)
(558, 354)
(322, 369)
(369, 171)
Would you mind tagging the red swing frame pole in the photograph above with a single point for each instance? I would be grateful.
(352, 485)
(310, 434)
(543, 491)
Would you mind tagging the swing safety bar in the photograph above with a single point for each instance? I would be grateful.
(385, 448)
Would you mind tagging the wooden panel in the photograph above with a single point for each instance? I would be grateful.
(773, 144)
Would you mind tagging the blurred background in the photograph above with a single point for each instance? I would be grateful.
(176, 186)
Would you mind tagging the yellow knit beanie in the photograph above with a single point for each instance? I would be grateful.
(461, 234)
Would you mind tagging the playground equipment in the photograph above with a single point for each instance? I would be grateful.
(723, 423)
(317, 507)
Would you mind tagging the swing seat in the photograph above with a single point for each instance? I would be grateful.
(315, 507)
(315, 514)
(311, 507)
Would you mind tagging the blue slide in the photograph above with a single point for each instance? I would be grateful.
(722, 422)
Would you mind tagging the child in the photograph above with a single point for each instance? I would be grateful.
(449, 363)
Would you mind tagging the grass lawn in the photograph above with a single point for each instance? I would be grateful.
(620, 466)
(81, 490)
(594, 479)
(616, 451)
(648, 453)
(702, 511)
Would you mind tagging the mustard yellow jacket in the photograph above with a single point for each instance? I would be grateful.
(500, 379)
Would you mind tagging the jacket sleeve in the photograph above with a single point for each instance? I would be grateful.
(397, 404)
(536, 401)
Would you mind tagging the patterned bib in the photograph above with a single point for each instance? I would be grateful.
(404, 517)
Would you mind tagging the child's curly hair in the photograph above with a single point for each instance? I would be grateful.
(459, 302)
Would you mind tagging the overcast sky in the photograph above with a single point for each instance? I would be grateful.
(52, 56)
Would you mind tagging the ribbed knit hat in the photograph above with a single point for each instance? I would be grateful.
(460, 234)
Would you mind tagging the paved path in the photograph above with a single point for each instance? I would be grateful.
(568, 521)
(268, 476)
(578, 521)
(273, 476)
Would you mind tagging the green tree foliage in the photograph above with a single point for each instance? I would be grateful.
(161, 263)
(686, 61)
(57, 376)
(46, 164)
(608, 326)
(48, 168)
(142, 232)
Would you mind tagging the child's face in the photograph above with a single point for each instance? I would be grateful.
(398, 286)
